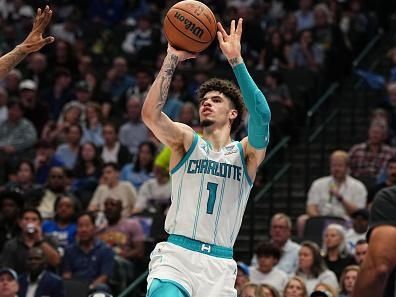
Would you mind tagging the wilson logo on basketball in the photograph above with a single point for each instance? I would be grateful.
(197, 31)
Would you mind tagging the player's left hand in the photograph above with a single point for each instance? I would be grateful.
(35, 41)
(230, 44)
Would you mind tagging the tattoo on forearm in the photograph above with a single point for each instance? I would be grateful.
(166, 77)
(234, 61)
(10, 60)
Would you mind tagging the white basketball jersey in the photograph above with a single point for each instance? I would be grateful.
(210, 190)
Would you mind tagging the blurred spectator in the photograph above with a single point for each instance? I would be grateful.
(44, 160)
(289, 31)
(359, 228)
(324, 290)
(117, 81)
(88, 259)
(306, 53)
(141, 169)
(17, 133)
(56, 185)
(63, 56)
(335, 250)
(267, 290)
(82, 95)
(348, 279)
(68, 30)
(336, 195)
(34, 109)
(15, 250)
(189, 115)
(265, 272)
(8, 282)
(111, 187)
(142, 42)
(356, 26)
(134, 131)
(12, 81)
(68, 151)
(93, 128)
(63, 226)
(280, 232)
(144, 79)
(124, 235)
(361, 248)
(37, 70)
(177, 95)
(3, 105)
(389, 181)
(305, 15)
(11, 205)
(312, 268)
(295, 287)
(329, 37)
(113, 150)
(59, 92)
(87, 172)
(273, 55)
(39, 281)
(242, 277)
(155, 193)
(106, 12)
(24, 180)
(249, 290)
(366, 159)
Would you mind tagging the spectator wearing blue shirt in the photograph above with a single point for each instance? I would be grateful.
(88, 259)
(68, 151)
(63, 227)
(44, 160)
(141, 169)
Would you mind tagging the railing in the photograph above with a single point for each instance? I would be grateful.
(130, 291)
(271, 163)
(318, 109)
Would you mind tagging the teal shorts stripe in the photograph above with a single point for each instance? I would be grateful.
(201, 247)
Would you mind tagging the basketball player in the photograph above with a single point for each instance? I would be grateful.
(211, 177)
(33, 42)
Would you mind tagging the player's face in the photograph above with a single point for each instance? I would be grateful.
(216, 108)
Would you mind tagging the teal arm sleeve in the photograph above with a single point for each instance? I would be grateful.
(259, 112)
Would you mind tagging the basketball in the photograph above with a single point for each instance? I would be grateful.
(190, 25)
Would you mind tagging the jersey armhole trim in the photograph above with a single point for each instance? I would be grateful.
(186, 155)
(244, 164)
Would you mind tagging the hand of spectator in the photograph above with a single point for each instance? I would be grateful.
(336, 193)
(35, 41)
(230, 44)
(182, 55)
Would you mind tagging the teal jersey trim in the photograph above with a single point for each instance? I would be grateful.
(201, 247)
(187, 154)
(239, 207)
(249, 180)
(178, 197)
(198, 204)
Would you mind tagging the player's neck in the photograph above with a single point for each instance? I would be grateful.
(218, 138)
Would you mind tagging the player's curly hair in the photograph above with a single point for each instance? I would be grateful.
(230, 90)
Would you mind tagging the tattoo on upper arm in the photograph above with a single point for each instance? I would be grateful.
(166, 77)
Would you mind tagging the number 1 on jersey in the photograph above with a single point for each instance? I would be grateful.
(212, 187)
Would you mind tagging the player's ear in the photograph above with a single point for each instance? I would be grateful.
(233, 114)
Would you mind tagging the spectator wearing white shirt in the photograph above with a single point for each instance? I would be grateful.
(359, 228)
(265, 271)
(338, 194)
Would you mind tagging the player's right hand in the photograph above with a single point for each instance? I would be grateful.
(182, 55)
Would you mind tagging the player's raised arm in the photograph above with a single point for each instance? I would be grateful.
(33, 42)
(168, 132)
(259, 112)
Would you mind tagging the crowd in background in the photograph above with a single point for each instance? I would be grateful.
(85, 186)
